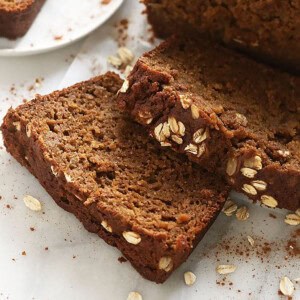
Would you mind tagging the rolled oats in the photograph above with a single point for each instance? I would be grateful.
(195, 112)
(292, 219)
(68, 177)
(128, 70)
(231, 166)
(247, 172)
(166, 130)
(28, 130)
(227, 204)
(17, 125)
(249, 189)
(242, 213)
(269, 201)
(201, 150)
(105, 225)
(173, 124)
(200, 135)
(250, 240)
(185, 101)
(225, 269)
(191, 148)
(239, 41)
(124, 88)
(181, 130)
(165, 144)
(134, 296)
(125, 55)
(114, 60)
(189, 278)
(146, 117)
(286, 286)
(79, 198)
(148, 121)
(229, 208)
(53, 171)
(32, 203)
(259, 185)
(132, 237)
(178, 140)
(165, 263)
(253, 163)
(158, 133)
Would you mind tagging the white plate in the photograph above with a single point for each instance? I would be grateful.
(58, 24)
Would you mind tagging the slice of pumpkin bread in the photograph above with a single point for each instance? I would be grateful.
(152, 204)
(228, 113)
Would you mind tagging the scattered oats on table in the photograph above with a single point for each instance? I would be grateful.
(242, 213)
(32, 203)
(286, 286)
(123, 58)
(292, 219)
(229, 208)
(189, 278)
(134, 296)
(225, 269)
(250, 240)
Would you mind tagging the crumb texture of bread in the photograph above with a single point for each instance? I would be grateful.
(153, 204)
(228, 113)
(16, 16)
(268, 30)
(13, 5)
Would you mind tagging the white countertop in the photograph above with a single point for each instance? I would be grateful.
(79, 265)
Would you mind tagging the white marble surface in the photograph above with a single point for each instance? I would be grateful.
(77, 264)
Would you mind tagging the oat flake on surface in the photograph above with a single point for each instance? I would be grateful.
(250, 240)
(32, 203)
(189, 278)
(286, 286)
(225, 269)
(134, 296)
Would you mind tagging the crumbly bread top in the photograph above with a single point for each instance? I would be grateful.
(111, 163)
(251, 103)
(15, 5)
(269, 30)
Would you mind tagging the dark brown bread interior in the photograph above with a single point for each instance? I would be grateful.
(268, 30)
(244, 115)
(16, 17)
(104, 168)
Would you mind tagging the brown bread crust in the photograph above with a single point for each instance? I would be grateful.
(268, 30)
(247, 114)
(101, 167)
(16, 19)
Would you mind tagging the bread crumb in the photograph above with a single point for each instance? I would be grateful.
(58, 37)
(122, 259)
